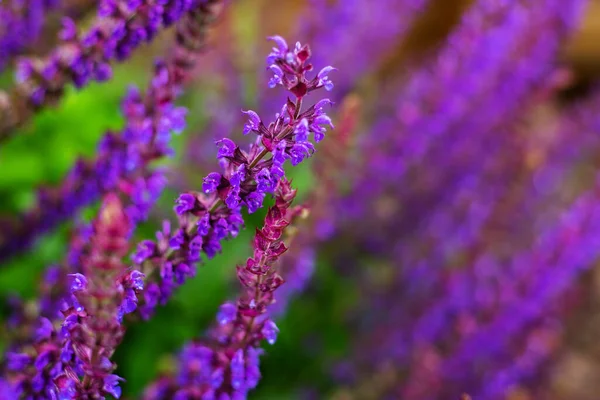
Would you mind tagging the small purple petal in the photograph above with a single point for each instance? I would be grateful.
(185, 202)
(226, 148)
(226, 314)
(211, 182)
(281, 43)
(270, 331)
(79, 282)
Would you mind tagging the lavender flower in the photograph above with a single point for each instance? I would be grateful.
(75, 360)
(121, 161)
(298, 265)
(117, 31)
(453, 217)
(542, 277)
(445, 211)
(226, 366)
(449, 255)
(124, 161)
(419, 107)
(105, 291)
(209, 217)
(148, 135)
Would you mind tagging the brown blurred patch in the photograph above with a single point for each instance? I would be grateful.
(576, 372)
(582, 51)
(426, 34)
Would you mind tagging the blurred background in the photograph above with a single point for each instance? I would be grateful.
(457, 191)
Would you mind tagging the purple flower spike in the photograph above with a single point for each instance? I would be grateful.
(125, 161)
(89, 323)
(114, 35)
(229, 363)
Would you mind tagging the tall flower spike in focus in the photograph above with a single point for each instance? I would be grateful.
(209, 216)
(227, 364)
(445, 242)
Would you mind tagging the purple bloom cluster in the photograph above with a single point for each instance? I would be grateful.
(373, 36)
(123, 161)
(81, 58)
(21, 24)
(226, 365)
(531, 286)
(495, 73)
(454, 285)
(206, 218)
(100, 296)
(74, 361)
(298, 266)
(64, 356)
(450, 201)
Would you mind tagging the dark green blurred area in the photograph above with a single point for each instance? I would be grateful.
(42, 153)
